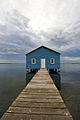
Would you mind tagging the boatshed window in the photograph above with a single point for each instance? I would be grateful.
(33, 61)
(52, 60)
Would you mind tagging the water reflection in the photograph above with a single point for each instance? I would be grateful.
(29, 76)
(57, 79)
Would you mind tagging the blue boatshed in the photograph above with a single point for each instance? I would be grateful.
(43, 57)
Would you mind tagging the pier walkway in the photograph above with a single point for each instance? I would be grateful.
(39, 100)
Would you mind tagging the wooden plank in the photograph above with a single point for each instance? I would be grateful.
(41, 105)
(38, 97)
(41, 91)
(39, 100)
(39, 111)
(39, 87)
(44, 105)
(13, 116)
(32, 93)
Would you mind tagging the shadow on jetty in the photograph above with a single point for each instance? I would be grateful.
(57, 79)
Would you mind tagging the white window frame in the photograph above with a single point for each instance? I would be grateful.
(34, 61)
(53, 60)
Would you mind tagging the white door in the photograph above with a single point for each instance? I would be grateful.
(43, 63)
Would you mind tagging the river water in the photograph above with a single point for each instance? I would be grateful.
(13, 79)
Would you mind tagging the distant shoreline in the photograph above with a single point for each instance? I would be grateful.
(25, 63)
(12, 63)
(70, 63)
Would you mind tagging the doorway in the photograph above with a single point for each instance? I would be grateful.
(43, 63)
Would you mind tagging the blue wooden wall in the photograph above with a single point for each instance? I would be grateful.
(42, 53)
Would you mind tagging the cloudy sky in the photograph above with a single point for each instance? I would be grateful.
(27, 24)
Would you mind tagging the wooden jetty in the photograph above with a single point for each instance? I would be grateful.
(39, 100)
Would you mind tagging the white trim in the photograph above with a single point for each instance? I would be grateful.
(34, 60)
(53, 61)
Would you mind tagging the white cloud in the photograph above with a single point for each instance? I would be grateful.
(26, 24)
(45, 13)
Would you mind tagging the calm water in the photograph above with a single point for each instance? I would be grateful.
(70, 88)
(13, 79)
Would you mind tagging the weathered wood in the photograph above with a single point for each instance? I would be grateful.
(33, 93)
(41, 111)
(38, 97)
(43, 90)
(39, 100)
(13, 116)
(44, 105)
